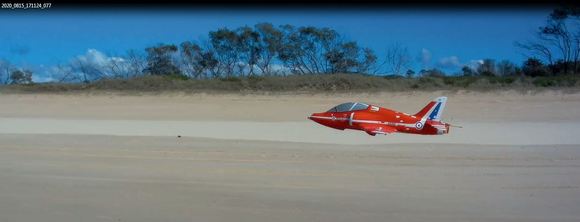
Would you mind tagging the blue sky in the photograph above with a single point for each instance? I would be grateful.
(442, 38)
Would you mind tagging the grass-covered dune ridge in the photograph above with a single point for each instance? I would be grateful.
(309, 83)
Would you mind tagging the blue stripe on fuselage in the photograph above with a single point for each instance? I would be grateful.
(435, 111)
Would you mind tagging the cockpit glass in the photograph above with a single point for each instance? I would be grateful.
(349, 107)
(359, 106)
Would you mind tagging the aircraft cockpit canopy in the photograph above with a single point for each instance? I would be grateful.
(345, 107)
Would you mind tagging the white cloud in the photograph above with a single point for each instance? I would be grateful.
(278, 69)
(473, 64)
(449, 62)
(93, 62)
(454, 62)
(42, 78)
(425, 58)
(98, 62)
(97, 58)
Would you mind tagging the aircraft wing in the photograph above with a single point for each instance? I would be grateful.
(374, 129)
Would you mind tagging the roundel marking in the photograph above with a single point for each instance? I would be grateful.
(419, 125)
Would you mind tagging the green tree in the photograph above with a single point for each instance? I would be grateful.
(224, 43)
(368, 62)
(344, 58)
(534, 67)
(506, 68)
(270, 43)
(487, 68)
(160, 60)
(21, 77)
(249, 49)
(305, 49)
(467, 71)
(410, 73)
(195, 59)
(558, 40)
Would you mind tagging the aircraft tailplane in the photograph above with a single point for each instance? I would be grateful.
(433, 110)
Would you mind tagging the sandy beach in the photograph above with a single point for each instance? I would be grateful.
(110, 157)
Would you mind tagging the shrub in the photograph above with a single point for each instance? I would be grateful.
(503, 80)
(459, 81)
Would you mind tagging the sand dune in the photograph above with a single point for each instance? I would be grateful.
(257, 158)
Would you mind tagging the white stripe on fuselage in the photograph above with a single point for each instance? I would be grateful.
(366, 121)
(326, 117)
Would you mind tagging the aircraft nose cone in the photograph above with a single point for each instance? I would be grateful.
(310, 117)
(314, 117)
(326, 119)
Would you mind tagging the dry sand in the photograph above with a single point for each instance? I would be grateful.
(257, 158)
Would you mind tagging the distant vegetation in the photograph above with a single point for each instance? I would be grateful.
(305, 83)
(266, 57)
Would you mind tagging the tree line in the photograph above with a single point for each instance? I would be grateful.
(265, 49)
(555, 49)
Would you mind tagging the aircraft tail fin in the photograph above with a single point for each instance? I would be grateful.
(433, 110)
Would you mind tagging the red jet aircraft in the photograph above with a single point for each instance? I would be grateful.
(377, 120)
